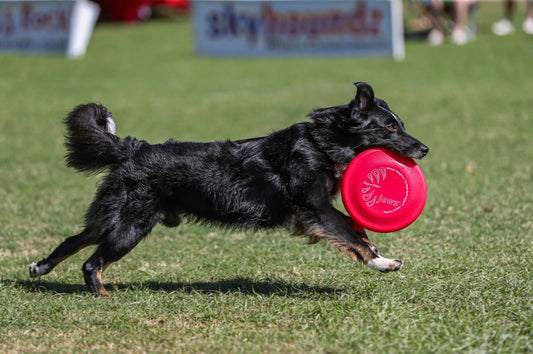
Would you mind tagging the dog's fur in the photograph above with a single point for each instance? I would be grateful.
(286, 179)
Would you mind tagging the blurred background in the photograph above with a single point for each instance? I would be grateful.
(468, 99)
(458, 73)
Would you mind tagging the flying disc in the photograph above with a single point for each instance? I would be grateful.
(383, 191)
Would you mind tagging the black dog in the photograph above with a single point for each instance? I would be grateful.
(286, 179)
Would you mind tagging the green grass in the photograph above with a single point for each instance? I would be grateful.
(466, 285)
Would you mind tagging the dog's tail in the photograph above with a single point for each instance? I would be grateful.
(91, 143)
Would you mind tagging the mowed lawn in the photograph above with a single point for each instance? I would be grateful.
(466, 285)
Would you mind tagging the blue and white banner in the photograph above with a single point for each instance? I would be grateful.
(47, 26)
(299, 28)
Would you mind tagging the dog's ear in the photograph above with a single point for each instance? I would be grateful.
(364, 97)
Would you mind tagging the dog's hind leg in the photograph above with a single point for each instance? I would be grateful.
(96, 265)
(67, 248)
(117, 245)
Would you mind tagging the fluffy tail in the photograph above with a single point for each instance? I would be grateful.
(91, 141)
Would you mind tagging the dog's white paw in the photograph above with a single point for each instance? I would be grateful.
(36, 271)
(385, 265)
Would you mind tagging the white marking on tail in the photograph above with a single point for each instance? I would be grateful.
(110, 125)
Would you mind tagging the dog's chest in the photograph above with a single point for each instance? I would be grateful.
(334, 184)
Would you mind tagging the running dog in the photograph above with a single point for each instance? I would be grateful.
(286, 179)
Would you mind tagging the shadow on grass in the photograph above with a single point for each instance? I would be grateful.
(236, 285)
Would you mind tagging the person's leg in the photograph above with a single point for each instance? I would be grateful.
(527, 26)
(505, 26)
(459, 35)
(435, 9)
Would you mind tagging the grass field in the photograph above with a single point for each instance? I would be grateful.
(466, 285)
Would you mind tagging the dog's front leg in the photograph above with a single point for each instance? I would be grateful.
(380, 263)
(359, 232)
(347, 236)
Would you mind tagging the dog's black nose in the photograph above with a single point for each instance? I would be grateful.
(424, 149)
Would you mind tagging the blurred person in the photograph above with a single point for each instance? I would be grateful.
(505, 26)
(436, 9)
(433, 10)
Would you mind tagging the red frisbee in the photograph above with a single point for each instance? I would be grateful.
(383, 191)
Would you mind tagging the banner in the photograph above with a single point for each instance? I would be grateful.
(299, 28)
(47, 26)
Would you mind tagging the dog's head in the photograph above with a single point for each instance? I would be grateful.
(375, 125)
(366, 122)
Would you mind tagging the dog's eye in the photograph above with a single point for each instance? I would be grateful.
(391, 127)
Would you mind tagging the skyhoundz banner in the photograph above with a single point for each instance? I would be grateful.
(299, 28)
